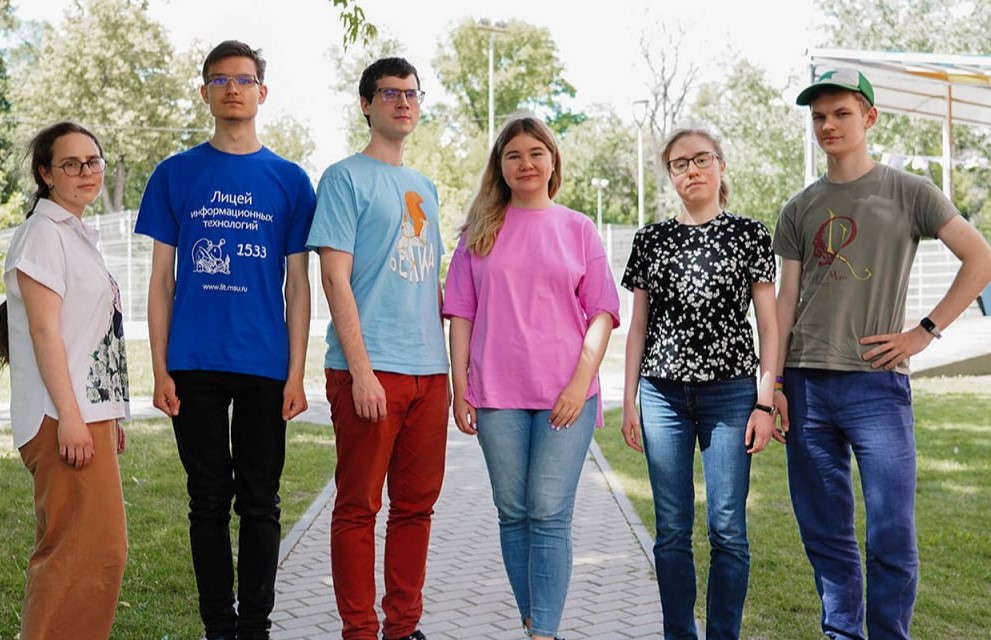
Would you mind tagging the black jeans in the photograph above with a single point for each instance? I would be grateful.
(232, 455)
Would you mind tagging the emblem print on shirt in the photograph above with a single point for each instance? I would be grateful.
(415, 256)
(831, 238)
(209, 257)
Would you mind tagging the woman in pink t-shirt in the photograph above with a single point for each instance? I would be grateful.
(532, 303)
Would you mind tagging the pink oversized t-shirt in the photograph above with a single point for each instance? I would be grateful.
(530, 301)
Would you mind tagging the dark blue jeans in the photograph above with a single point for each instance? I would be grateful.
(674, 417)
(832, 414)
(232, 455)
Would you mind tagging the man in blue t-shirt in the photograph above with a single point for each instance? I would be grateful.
(229, 219)
(377, 230)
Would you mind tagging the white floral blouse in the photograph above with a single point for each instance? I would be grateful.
(698, 280)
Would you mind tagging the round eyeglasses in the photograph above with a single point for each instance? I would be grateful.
(702, 160)
(74, 168)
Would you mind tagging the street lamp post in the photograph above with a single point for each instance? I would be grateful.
(493, 29)
(640, 116)
(599, 184)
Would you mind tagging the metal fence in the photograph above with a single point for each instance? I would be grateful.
(128, 257)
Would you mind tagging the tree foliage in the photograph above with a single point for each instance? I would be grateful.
(762, 138)
(112, 68)
(671, 82)
(290, 139)
(8, 173)
(927, 26)
(357, 29)
(602, 147)
(527, 70)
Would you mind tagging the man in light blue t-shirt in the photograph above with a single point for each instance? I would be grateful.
(229, 219)
(376, 229)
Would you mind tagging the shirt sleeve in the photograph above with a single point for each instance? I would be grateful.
(156, 219)
(634, 276)
(597, 289)
(932, 210)
(763, 266)
(335, 221)
(786, 240)
(459, 290)
(304, 203)
(41, 256)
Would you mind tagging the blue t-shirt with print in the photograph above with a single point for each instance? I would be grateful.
(386, 217)
(233, 219)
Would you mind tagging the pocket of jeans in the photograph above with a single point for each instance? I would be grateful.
(337, 379)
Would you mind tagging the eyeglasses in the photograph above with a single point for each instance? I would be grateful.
(413, 96)
(220, 81)
(74, 168)
(702, 160)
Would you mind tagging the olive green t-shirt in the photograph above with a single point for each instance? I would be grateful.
(856, 242)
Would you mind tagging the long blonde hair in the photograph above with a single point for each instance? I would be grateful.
(487, 211)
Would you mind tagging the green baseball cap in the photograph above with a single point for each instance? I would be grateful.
(844, 78)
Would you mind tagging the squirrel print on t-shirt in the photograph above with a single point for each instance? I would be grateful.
(415, 256)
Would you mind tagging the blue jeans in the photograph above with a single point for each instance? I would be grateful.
(534, 472)
(869, 413)
(674, 416)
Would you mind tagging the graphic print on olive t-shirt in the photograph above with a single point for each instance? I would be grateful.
(832, 236)
(415, 256)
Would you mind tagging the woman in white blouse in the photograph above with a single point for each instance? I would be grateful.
(68, 375)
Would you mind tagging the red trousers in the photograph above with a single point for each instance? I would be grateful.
(407, 450)
(75, 573)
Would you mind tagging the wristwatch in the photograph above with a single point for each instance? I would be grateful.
(763, 407)
(931, 327)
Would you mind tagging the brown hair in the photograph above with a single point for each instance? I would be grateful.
(41, 149)
(234, 49)
(716, 145)
(487, 211)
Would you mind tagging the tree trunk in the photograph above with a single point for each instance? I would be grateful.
(120, 182)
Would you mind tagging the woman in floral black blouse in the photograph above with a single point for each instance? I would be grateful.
(690, 351)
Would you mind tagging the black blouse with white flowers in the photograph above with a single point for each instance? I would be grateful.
(697, 280)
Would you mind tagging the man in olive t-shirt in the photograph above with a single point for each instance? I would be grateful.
(847, 243)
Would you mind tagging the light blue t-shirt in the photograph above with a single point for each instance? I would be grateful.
(233, 219)
(386, 217)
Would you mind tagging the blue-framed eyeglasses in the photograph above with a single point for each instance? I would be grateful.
(413, 96)
(221, 81)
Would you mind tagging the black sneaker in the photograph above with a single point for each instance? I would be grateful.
(416, 635)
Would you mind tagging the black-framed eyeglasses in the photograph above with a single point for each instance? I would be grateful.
(701, 160)
(74, 168)
(413, 96)
(220, 81)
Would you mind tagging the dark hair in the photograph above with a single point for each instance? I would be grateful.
(41, 150)
(716, 145)
(395, 67)
(234, 49)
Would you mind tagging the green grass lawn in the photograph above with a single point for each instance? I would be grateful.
(158, 599)
(953, 434)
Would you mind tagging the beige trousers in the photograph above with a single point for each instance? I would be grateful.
(75, 573)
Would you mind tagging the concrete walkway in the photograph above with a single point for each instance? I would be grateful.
(613, 593)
